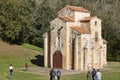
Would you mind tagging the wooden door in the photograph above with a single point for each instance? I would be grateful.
(57, 59)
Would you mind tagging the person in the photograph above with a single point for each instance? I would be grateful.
(88, 75)
(58, 74)
(52, 74)
(98, 75)
(26, 67)
(93, 73)
(11, 71)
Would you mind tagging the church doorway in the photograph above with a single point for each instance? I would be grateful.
(57, 59)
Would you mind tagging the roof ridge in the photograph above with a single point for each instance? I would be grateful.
(66, 18)
(77, 8)
(87, 18)
(80, 30)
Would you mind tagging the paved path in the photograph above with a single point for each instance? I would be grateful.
(45, 71)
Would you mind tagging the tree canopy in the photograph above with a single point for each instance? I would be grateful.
(26, 20)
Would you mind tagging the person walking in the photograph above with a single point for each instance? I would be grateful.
(11, 71)
(58, 74)
(88, 75)
(26, 67)
(93, 73)
(52, 74)
(98, 75)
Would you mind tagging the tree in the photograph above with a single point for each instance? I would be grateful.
(15, 16)
(43, 14)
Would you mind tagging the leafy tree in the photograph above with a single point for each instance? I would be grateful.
(15, 16)
(24, 21)
(43, 15)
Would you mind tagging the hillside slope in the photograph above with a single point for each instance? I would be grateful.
(16, 51)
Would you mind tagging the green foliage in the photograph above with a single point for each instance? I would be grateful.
(15, 16)
(26, 20)
(42, 16)
(22, 21)
(32, 47)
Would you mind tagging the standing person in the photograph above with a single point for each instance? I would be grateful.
(11, 71)
(26, 67)
(52, 74)
(58, 74)
(88, 75)
(98, 75)
(93, 73)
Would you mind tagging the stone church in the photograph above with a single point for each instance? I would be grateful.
(75, 41)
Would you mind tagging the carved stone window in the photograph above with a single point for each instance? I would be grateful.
(58, 42)
(58, 34)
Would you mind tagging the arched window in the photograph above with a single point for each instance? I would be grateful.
(95, 23)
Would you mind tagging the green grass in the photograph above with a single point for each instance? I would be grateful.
(32, 47)
(18, 56)
(22, 76)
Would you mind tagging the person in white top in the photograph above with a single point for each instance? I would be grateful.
(11, 71)
(98, 75)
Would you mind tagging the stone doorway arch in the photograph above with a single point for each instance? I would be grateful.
(57, 59)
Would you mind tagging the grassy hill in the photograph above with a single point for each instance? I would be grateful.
(15, 51)
(17, 55)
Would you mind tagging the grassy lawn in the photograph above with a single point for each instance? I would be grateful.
(18, 56)
(113, 74)
(32, 47)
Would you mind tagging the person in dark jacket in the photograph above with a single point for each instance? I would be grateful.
(93, 73)
(52, 74)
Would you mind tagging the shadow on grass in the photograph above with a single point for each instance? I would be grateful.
(39, 61)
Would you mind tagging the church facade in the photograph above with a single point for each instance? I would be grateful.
(75, 41)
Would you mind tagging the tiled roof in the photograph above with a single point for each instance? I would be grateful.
(66, 18)
(86, 19)
(75, 8)
(80, 30)
(104, 41)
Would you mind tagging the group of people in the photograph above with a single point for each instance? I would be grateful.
(11, 70)
(95, 74)
(55, 74)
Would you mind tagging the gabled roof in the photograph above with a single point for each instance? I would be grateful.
(66, 18)
(80, 30)
(75, 8)
(86, 19)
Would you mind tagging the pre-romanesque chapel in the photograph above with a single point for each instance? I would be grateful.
(75, 41)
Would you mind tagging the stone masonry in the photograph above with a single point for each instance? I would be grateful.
(75, 41)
